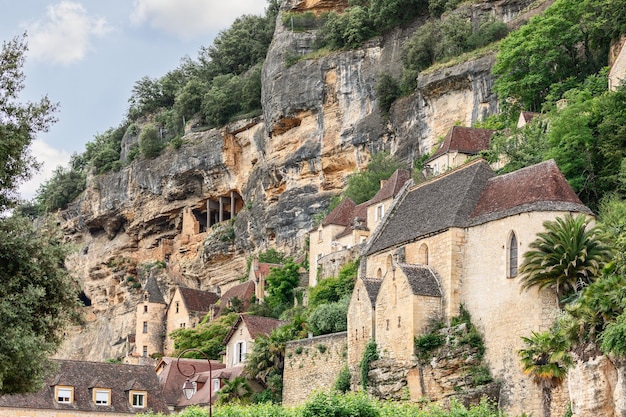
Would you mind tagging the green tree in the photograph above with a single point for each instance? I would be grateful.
(387, 90)
(333, 289)
(150, 142)
(37, 300)
(236, 390)
(566, 257)
(546, 359)
(19, 122)
(370, 354)
(60, 190)
(363, 185)
(281, 283)
(207, 337)
(329, 318)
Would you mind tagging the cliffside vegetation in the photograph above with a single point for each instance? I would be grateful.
(38, 297)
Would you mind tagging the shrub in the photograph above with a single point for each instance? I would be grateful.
(387, 90)
(343, 380)
(150, 142)
(325, 404)
(425, 344)
(329, 318)
(370, 354)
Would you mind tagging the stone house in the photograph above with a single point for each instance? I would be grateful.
(258, 274)
(237, 297)
(349, 225)
(85, 389)
(240, 339)
(150, 317)
(455, 240)
(186, 309)
(172, 374)
(526, 117)
(459, 144)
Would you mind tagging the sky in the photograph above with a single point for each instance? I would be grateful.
(86, 55)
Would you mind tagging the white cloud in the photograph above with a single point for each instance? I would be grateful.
(65, 36)
(186, 19)
(51, 158)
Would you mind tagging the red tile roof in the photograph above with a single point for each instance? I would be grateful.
(341, 215)
(243, 292)
(198, 301)
(256, 325)
(359, 212)
(264, 269)
(203, 394)
(172, 379)
(84, 376)
(391, 187)
(466, 140)
(538, 187)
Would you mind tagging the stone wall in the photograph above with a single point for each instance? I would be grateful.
(331, 263)
(312, 364)
(502, 312)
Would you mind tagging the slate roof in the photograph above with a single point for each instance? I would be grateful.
(372, 286)
(436, 205)
(154, 292)
(172, 380)
(540, 187)
(422, 280)
(198, 301)
(391, 187)
(467, 140)
(256, 325)
(340, 215)
(84, 376)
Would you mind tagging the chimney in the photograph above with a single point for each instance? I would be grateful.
(382, 183)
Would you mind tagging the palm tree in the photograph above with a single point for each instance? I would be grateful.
(566, 257)
(236, 390)
(546, 359)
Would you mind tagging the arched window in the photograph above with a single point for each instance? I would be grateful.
(512, 258)
(379, 273)
(388, 263)
(423, 254)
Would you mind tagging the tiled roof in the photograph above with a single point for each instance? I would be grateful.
(197, 300)
(540, 187)
(172, 379)
(467, 140)
(243, 292)
(359, 212)
(372, 286)
(422, 280)
(256, 325)
(153, 291)
(84, 376)
(391, 187)
(264, 269)
(202, 395)
(443, 202)
(341, 215)
(529, 115)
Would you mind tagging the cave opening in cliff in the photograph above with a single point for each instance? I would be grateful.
(84, 299)
(224, 208)
(201, 217)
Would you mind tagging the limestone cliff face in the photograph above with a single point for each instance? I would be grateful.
(266, 176)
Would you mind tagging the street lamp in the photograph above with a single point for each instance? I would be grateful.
(188, 387)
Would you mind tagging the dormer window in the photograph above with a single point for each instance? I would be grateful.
(102, 396)
(64, 395)
(137, 399)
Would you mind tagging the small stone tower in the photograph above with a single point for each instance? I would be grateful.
(150, 318)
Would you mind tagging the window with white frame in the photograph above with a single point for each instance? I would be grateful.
(240, 352)
(138, 399)
(216, 384)
(65, 395)
(102, 396)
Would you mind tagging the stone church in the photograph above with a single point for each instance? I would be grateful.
(458, 239)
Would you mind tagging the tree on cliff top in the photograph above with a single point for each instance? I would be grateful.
(37, 295)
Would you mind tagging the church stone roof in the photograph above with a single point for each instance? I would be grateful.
(153, 291)
(84, 376)
(422, 280)
(372, 286)
(443, 202)
(540, 187)
(467, 140)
